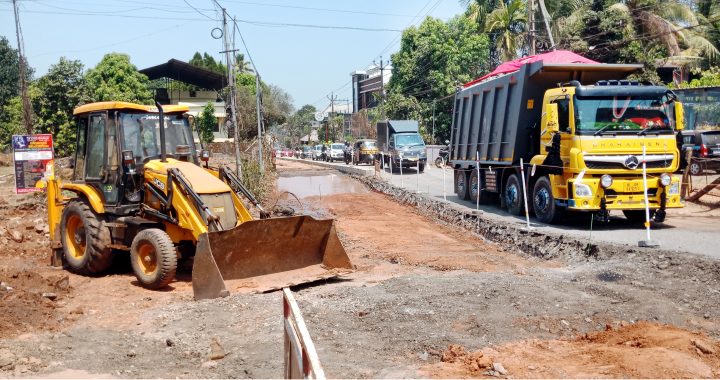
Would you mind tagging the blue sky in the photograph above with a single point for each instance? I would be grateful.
(307, 62)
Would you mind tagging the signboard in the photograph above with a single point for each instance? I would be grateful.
(320, 116)
(33, 156)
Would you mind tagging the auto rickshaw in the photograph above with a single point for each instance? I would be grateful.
(364, 152)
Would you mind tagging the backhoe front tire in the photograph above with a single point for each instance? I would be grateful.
(153, 258)
(84, 240)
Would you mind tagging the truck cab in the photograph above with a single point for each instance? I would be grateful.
(401, 144)
(598, 136)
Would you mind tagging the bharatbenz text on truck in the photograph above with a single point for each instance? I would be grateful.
(400, 144)
(580, 130)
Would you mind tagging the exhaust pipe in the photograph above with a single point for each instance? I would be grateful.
(163, 152)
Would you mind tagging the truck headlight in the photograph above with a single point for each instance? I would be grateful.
(606, 181)
(582, 190)
(665, 179)
(674, 189)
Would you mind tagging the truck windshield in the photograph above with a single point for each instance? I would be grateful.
(623, 114)
(369, 144)
(141, 134)
(408, 140)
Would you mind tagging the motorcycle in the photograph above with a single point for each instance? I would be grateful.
(347, 154)
(442, 156)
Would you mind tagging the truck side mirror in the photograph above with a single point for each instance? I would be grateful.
(552, 124)
(679, 116)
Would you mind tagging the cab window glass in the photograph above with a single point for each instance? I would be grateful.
(80, 151)
(563, 114)
(95, 147)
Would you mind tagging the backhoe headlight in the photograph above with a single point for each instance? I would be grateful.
(665, 179)
(582, 190)
(205, 155)
(606, 181)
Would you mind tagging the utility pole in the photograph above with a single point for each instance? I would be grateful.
(258, 95)
(230, 63)
(382, 88)
(433, 134)
(546, 15)
(333, 99)
(531, 26)
(27, 113)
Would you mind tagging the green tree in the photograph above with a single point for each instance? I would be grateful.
(9, 72)
(299, 123)
(116, 79)
(434, 59)
(205, 123)
(54, 96)
(508, 22)
(11, 122)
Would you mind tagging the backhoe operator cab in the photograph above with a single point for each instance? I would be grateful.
(116, 140)
(138, 186)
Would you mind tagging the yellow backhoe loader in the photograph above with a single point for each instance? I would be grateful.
(138, 186)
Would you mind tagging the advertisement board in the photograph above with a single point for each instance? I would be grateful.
(33, 157)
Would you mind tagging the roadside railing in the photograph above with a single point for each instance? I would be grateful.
(301, 359)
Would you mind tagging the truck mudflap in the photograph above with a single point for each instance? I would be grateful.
(268, 254)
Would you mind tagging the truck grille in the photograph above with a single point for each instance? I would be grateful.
(617, 165)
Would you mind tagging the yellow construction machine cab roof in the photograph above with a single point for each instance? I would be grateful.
(104, 106)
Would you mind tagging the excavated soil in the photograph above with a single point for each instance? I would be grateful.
(642, 350)
(421, 284)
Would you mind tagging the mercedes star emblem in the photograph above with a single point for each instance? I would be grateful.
(631, 162)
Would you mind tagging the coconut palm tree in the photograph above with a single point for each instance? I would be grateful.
(508, 23)
(681, 30)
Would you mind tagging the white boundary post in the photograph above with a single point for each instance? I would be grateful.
(418, 176)
(402, 181)
(444, 175)
(648, 242)
(477, 164)
(522, 175)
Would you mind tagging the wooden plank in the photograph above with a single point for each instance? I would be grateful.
(305, 343)
(704, 190)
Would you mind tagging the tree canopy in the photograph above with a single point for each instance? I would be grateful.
(116, 79)
(434, 59)
(54, 96)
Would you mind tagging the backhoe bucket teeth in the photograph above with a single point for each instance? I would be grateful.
(268, 254)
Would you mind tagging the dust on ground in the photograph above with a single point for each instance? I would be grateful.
(419, 287)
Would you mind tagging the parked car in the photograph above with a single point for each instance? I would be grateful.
(705, 146)
(317, 153)
(364, 152)
(336, 152)
(306, 152)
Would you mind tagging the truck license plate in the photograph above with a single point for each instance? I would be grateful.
(632, 187)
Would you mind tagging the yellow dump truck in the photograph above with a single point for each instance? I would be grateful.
(580, 130)
(139, 186)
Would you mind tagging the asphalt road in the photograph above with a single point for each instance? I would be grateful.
(685, 230)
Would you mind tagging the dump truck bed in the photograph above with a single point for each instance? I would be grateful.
(498, 117)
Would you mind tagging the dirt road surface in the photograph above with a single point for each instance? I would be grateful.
(427, 299)
(692, 229)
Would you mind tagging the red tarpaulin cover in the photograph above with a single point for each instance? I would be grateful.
(558, 56)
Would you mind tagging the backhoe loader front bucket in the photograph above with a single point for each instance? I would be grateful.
(268, 254)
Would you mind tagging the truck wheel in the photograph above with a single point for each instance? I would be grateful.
(637, 216)
(475, 192)
(544, 205)
(513, 195)
(696, 168)
(153, 258)
(461, 184)
(84, 240)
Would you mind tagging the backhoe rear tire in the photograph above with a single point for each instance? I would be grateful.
(84, 240)
(153, 258)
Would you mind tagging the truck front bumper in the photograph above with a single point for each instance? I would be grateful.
(623, 194)
(409, 161)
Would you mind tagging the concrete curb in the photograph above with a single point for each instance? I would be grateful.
(341, 167)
